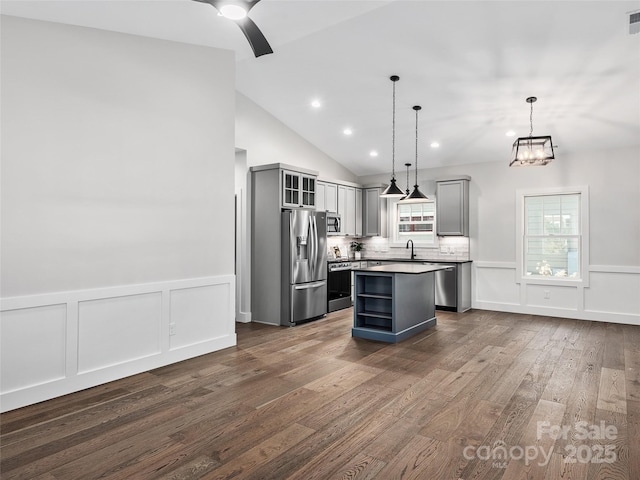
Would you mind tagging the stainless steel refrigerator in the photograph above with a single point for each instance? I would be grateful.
(304, 265)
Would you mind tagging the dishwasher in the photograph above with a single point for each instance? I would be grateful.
(446, 287)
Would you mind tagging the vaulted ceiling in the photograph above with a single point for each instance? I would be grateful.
(470, 65)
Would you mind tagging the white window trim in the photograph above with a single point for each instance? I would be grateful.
(584, 230)
(392, 215)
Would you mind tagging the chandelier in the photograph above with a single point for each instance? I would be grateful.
(532, 151)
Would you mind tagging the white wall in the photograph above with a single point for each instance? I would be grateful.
(614, 237)
(117, 205)
(268, 140)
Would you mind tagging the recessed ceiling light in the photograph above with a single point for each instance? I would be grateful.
(347, 131)
(233, 12)
(373, 153)
(435, 144)
(316, 103)
(510, 133)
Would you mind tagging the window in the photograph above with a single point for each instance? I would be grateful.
(553, 236)
(415, 221)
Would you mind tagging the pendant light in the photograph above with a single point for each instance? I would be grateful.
(532, 151)
(407, 190)
(392, 190)
(416, 195)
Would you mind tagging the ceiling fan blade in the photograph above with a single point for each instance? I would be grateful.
(258, 42)
(251, 4)
(256, 39)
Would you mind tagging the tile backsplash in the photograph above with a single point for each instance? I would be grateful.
(448, 248)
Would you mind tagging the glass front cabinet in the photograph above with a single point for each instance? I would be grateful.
(298, 190)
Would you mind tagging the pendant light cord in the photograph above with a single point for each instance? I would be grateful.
(417, 110)
(393, 133)
(531, 120)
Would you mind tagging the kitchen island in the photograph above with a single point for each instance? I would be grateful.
(394, 302)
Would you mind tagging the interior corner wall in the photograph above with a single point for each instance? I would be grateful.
(614, 233)
(267, 140)
(117, 206)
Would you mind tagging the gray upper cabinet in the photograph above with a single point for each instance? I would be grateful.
(358, 212)
(321, 192)
(331, 198)
(298, 190)
(373, 213)
(326, 196)
(452, 207)
(347, 209)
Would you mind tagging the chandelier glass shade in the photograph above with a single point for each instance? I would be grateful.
(532, 151)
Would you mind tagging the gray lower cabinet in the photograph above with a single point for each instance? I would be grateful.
(390, 307)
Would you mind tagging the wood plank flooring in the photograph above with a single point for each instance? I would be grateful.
(483, 395)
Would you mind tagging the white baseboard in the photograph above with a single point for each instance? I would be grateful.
(59, 343)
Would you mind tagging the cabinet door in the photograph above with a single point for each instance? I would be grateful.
(308, 190)
(350, 220)
(290, 189)
(371, 214)
(321, 196)
(331, 198)
(452, 208)
(342, 206)
(358, 212)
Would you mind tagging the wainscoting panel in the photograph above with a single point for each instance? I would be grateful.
(552, 296)
(117, 330)
(33, 346)
(496, 283)
(198, 314)
(612, 294)
(59, 343)
(617, 292)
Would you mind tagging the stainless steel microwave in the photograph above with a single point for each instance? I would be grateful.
(334, 224)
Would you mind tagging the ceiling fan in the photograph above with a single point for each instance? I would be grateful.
(237, 11)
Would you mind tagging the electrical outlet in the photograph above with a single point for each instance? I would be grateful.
(172, 329)
(547, 294)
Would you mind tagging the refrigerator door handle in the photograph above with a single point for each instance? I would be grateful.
(314, 248)
(293, 246)
(306, 286)
(310, 247)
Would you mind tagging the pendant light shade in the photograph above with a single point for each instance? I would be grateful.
(416, 195)
(392, 190)
(532, 151)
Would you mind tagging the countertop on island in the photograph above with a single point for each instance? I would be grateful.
(415, 260)
(411, 268)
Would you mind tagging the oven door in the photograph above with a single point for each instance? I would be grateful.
(339, 290)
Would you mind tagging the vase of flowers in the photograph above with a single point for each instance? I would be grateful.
(356, 248)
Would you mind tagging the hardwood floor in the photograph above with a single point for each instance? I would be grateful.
(483, 395)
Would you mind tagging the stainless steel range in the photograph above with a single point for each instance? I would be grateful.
(338, 285)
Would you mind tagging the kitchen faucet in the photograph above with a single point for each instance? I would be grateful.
(413, 255)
